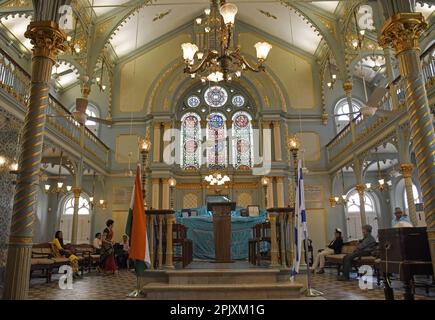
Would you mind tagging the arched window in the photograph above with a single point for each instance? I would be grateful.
(84, 223)
(191, 141)
(217, 141)
(92, 111)
(353, 217)
(242, 141)
(415, 195)
(342, 113)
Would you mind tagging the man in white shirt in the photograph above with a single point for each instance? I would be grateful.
(97, 242)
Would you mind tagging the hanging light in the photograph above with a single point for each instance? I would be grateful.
(189, 50)
(263, 49)
(228, 12)
(68, 188)
(47, 187)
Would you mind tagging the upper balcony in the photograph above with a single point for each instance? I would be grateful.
(61, 127)
(366, 133)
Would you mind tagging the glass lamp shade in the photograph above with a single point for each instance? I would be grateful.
(228, 12)
(368, 185)
(102, 202)
(145, 145)
(91, 199)
(293, 143)
(189, 50)
(68, 188)
(355, 43)
(336, 199)
(2, 161)
(263, 49)
(343, 197)
(47, 187)
(60, 185)
(264, 181)
(200, 55)
(172, 182)
(14, 166)
(381, 182)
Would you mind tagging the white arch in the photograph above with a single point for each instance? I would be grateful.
(342, 112)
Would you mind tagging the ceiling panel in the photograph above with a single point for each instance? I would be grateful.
(326, 5)
(17, 25)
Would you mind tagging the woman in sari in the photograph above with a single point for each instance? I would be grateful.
(58, 251)
(107, 262)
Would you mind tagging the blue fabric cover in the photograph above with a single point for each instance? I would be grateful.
(200, 231)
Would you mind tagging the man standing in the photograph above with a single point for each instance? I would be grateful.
(400, 217)
(364, 248)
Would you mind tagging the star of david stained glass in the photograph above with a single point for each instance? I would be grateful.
(216, 96)
(238, 101)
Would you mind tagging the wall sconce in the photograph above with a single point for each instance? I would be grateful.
(103, 204)
(172, 184)
(265, 183)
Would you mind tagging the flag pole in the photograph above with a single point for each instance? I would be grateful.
(136, 293)
(310, 291)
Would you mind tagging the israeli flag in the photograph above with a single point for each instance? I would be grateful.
(300, 232)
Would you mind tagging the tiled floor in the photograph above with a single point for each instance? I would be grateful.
(116, 287)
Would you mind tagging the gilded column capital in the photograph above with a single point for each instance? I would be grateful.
(406, 169)
(403, 31)
(46, 37)
(360, 188)
(77, 192)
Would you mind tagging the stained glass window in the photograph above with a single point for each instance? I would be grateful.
(238, 101)
(193, 101)
(242, 141)
(216, 96)
(216, 142)
(190, 141)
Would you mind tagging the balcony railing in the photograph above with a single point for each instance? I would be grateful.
(15, 81)
(364, 126)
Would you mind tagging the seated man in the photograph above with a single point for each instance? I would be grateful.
(333, 248)
(364, 248)
(97, 243)
(400, 217)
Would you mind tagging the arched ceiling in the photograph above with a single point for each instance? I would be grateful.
(164, 16)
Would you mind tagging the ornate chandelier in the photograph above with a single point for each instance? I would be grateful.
(217, 179)
(217, 59)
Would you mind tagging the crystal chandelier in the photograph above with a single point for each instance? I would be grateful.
(216, 59)
(217, 179)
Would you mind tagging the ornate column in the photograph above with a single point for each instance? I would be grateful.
(277, 139)
(403, 30)
(280, 192)
(170, 219)
(165, 194)
(274, 241)
(155, 201)
(362, 209)
(47, 39)
(156, 144)
(347, 87)
(75, 222)
(406, 169)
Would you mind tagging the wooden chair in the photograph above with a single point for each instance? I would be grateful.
(261, 238)
(179, 240)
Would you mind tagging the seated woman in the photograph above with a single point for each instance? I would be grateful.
(59, 251)
(107, 255)
(333, 248)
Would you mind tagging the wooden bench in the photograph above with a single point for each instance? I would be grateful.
(336, 260)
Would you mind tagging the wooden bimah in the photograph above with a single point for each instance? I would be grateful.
(405, 252)
(222, 229)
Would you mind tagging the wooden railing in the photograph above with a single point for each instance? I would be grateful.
(365, 125)
(15, 81)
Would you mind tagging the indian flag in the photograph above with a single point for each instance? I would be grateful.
(136, 228)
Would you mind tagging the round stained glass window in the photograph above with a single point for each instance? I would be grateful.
(216, 121)
(193, 101)
(191, 122)
(238, 101)
(241, 121)
(216, 96)
(190, 146)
